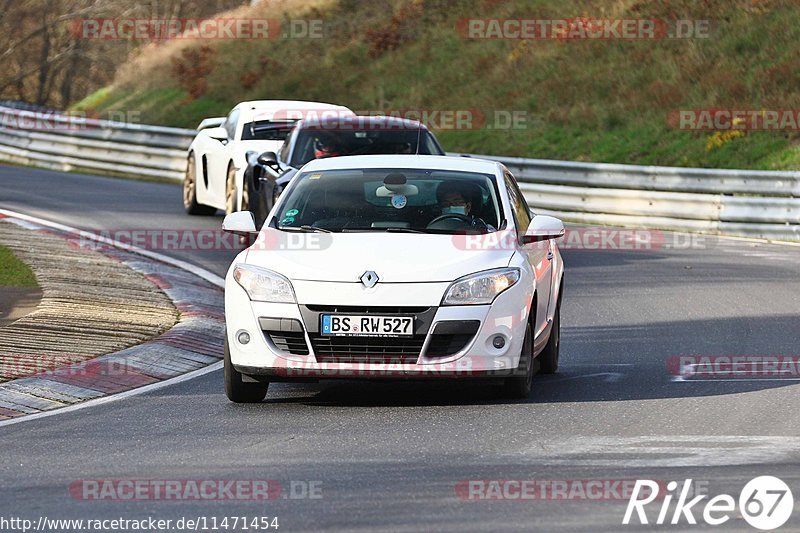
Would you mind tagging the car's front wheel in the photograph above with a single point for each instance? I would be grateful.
(235, 389)
(548, 359)
(231, 194)
(519, 386)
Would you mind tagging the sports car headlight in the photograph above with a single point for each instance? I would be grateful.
(480, 288)
(263, 285)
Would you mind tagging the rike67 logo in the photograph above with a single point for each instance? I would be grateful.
(765, 502)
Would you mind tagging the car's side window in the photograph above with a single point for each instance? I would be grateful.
(522, 216)
(283, 154)
(230, 123)
(430, 146)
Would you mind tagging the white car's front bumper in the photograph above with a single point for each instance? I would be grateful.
(271, 325)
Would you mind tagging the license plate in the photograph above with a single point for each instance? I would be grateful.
(368, 325)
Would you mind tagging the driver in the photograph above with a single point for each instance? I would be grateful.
(326, 147)
(452, 199)
(455, 198)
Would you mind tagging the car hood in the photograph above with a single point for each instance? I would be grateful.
(394, 257)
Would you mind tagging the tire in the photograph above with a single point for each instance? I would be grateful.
(246, 241)
(231, 193)
(235, 389)
(519, 386)
(190, 191)
(245, 197)
(548, 359)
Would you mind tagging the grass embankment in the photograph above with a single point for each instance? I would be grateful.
(584, 100)
(13, 272)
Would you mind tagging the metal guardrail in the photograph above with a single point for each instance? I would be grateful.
(69, 143)
(655, 178)
(749, 203)
(762, 204)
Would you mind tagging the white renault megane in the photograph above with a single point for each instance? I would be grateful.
(394, 266)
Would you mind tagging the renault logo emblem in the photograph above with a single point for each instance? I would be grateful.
(369, 279)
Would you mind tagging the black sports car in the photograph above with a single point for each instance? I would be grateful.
(268, 173)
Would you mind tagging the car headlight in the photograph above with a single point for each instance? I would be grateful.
(263, 285)
(480, 288)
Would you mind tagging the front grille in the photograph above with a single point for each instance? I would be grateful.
(367, 310)
(403, 350)
(292, 342)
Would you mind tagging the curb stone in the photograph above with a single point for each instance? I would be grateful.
(194, 342)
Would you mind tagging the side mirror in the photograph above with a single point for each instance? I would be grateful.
(240, 223)
(212, 122)
(268, 159)
(218, 133)
(543, 228)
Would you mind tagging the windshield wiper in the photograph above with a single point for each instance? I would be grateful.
(305, 228)
(403, 230)
(387, 230)
(315, 228)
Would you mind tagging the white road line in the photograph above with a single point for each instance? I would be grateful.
(679, 379)
(183, 265)
(608, 377)
(769, 255)
(114, 397)
(749, 239)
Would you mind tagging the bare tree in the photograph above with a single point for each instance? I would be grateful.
(47, 62)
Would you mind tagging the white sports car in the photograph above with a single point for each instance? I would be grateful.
(217, 156)
(398, 266)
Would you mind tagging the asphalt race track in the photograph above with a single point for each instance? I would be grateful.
(392, 455)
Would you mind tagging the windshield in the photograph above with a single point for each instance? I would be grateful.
(317, 144)
(399, 200)
(266, 130)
